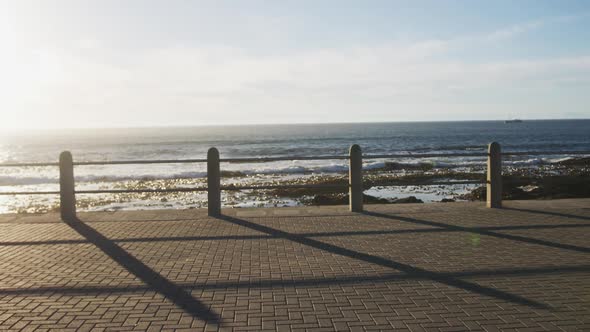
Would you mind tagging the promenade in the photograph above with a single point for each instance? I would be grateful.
(418, 267)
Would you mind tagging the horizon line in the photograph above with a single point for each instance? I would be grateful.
(274, 124)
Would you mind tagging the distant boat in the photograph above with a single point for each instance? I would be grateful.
(513, 121)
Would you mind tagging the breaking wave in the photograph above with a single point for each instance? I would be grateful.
(283, 168)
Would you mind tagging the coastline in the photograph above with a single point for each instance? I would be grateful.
(392, 182)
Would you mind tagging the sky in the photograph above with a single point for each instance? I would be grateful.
(108, 63)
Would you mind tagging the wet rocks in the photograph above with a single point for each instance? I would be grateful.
(477, 194)
(329, 200)
(579, 162)
(405, 200)
(546, 187)
(340, 199)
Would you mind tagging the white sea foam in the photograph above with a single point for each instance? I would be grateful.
(271, 141)
(116, 173)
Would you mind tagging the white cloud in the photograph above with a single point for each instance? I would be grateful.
(524, 27)
(92, 85)
(514, 30)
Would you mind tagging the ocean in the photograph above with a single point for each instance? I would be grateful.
(257, 141)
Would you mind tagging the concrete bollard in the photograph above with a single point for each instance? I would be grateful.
(494, 178)
(355, 178)
(67, 193)
(213, 183)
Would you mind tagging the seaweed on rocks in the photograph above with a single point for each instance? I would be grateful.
(232, 174)
(372, 180)
(340, 199)
(575, 162)
(405, 200)
(564, 178)
(517, 187)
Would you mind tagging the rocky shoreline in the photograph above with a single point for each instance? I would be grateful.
(394, 183)
(574, 183)
(564, 179)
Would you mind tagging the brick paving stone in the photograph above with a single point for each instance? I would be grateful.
(415, 267)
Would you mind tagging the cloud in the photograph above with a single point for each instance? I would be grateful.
(92, 85)
(524, 27)
(513, 30)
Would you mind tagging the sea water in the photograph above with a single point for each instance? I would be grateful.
(268, 141)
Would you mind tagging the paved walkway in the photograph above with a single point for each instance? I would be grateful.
(446, 267)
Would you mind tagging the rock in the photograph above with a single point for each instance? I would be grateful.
(447, 200)
(516, 193)
(477, 194)
(405, 200)
(584, 161)
(546, 187)
(329, 200)
(368, 199)
(339, 199)
(232, 174)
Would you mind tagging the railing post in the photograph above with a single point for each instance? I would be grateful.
(494, 178)
(67, 194)
(213, 183)
(355, 178)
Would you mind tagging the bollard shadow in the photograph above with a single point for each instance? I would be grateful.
(409, 270)
(174, 293)
(549, 213)
(481, 231)
(307, 282)
(310, 234)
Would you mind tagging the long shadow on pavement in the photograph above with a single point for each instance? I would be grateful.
(481, 231)
(408, 269)
(550, 213)
(178, 295)
(312, 234)
(272, 283)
